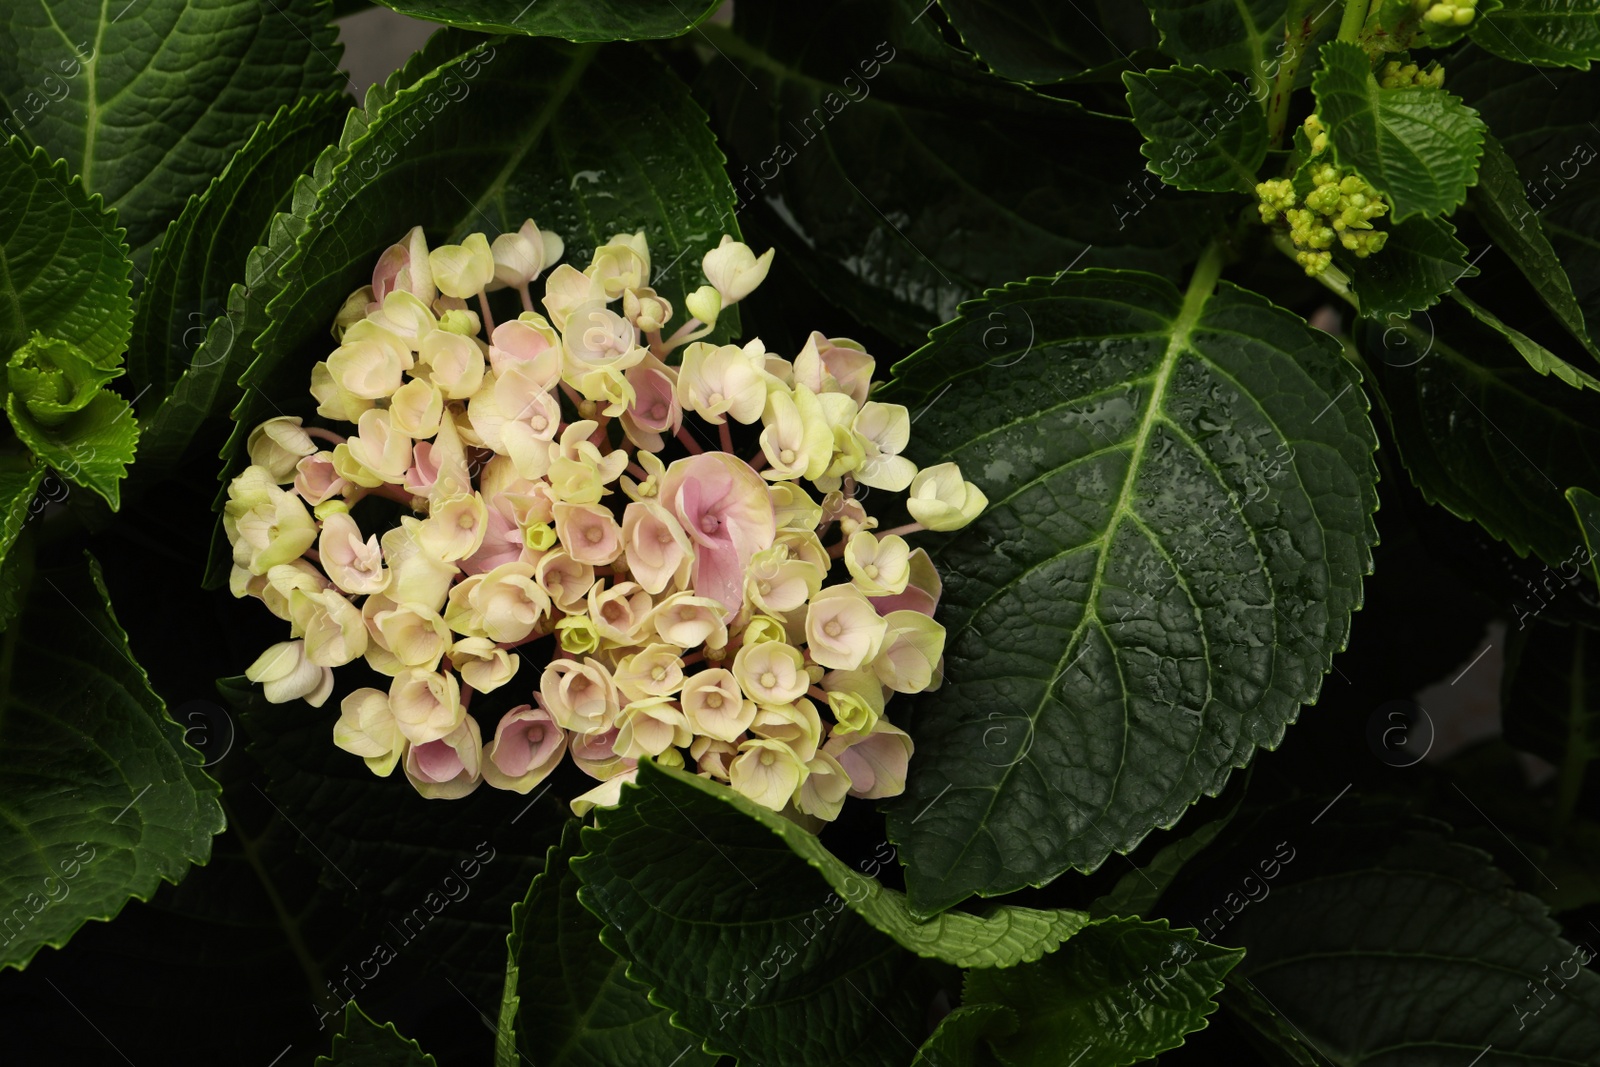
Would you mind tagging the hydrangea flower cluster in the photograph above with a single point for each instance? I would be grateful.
(683, 609)
(1340, 208)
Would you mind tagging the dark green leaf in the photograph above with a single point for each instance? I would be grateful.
(1201, 129)
(1538, 356)
(702, 900)
(892, 178)
(1181, 491)
(1230, 34)
(1402, 940)
(65, 266)
(152, 105)
(103, 798)
(1551, 33)
(397, 858)
(1036, 41)
(19, 484)
(91, 448)
(1418, 146)
(1107, 998)
(1420, 262)
(1137, 892)
(189, 374)
(961, 1039)
(510, 130)
(568, 996)
(1548, 696)
(363, 1043)
(1482, 433)
(1545, 120)
(572, 20)
(1502, 205)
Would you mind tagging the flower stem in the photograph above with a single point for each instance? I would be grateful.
(725, 435)
(908, 528)
(686, 439)
(527, 297)
(326, 435)
(488, 316)
(1355, 17)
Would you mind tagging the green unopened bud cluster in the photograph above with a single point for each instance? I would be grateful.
(1340, 208)
(1454, 13)
(1396, 76)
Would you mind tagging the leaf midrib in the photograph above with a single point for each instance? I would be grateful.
(1201, 289)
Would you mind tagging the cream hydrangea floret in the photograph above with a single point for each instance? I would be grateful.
(610, 539)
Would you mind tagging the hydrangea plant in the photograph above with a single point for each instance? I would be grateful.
(887, 570)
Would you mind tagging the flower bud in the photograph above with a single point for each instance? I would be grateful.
(462, 270)
(580, 695)
(650, 726)
(705, 304)
(942, 500)
(645, 309)
(366, 728)
(826, 785)
(875, 762)
(620, 264)
(482, 664)
(527, 746)
(913, 644)
(404, 267)
(522, 256)
(426, 704)
(335, 632)
(734, 269)
(448, 767)
(316, 481)
(286, 674)
(277, 445)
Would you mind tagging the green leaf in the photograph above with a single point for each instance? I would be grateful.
(1550, 33)
(1547, 694)
(398, 859)
(582, 1011)
(961, 1037)
(1501, 203)
(702, 900)
(363, 1043)
(103, 798)
(887, 175)
(1039, 42)
(1400, 939)
(512, 129)
(1003, 937)
(1181, 491)
(1201, 129)
(1544, 119)
(1421, 261)
(52, 379)
(20, 477)
(193, 283)
(1138, 891)
(1586, 509)
(1481, 433)
(1229, 34)
(1107, 999)
(1538, 356)
(63, 266)
(91, 448)
(156, 103)
(572, 20)
(1418, 146)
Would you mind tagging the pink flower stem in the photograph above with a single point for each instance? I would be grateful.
(692, 658)
(598, 438)
(759, 462)
(527, 297)
(836, 549)
(654, 337)
(312, 555)
(908, 528)
(572, 395)
(488, 316)
(817, 693)
(687, 440)
(388, 491)
(466, 696)
(726, 436)
(638, 471)
(326, 435)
